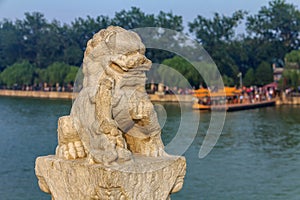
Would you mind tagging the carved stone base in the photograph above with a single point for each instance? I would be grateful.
(145, 178)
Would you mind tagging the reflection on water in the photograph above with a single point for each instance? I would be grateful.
(28, 129)
(256, 157)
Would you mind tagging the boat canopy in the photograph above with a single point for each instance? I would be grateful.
(202, 92)
(228, 91)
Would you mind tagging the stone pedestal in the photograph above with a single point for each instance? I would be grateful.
(145, 178)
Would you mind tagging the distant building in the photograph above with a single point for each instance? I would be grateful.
(277, 72)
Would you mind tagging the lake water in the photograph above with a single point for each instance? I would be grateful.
(256, 157)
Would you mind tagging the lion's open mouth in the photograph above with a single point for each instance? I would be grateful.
(117, 67)
(125, 63)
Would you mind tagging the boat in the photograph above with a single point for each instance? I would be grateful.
(243, 106)
(229, 99)
(202, 97)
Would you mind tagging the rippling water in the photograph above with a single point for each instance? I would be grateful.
(256, 157)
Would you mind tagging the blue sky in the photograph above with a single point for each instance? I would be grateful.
(67, 10)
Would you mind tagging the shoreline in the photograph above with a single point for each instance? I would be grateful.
(283, 100)
(70, 95)
(37, 94)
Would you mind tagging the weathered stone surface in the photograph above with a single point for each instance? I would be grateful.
(145, 178)
(110, 146)
(112, 106)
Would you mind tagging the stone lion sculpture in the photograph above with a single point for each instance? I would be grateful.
(112, 116)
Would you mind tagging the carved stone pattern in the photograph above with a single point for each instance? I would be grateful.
(146, 179)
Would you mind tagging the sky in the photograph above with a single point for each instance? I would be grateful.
(67, 10)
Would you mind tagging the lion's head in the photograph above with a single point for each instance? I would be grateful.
(122, 49)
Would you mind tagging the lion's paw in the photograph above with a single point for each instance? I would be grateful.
(71, 150)
(124, 154)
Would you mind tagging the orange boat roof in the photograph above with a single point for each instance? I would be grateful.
(202, 92)
(228, 91)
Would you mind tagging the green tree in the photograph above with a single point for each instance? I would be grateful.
(238, 51)
(11, 46)
(169, 76)
(39, 42)
(292, 59)
(57, 73)
(249, 78)
(182, 68)
(33, 28)
(41, 76)
(83, 29)
(1, 81)
(71, 76)
(295, 79)
(135, 18)
(293, 56)
(219, 29)
(21, 73)
(276, 28)
(263, 74)
(215, 35)
(290, 78)
(169, 20)
(228, 81)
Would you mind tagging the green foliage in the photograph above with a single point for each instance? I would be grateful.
(272, 36)
(228, 81)
(1, 82)
(169, 76)
(169, 20)
(41, 76)
(135, 18)
(209, 73)
(291, 78)
(264, 74)
(249, 78)
(19, 73)
(82, 30)
(276, 27)
(215, 35)
(70, 78)
(293, 58)
(60, 73)
(176, 69)
(220, 28)
(10, 43)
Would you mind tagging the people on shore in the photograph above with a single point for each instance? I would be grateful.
(41, 87)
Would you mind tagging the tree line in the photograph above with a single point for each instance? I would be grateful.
(34, 51)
